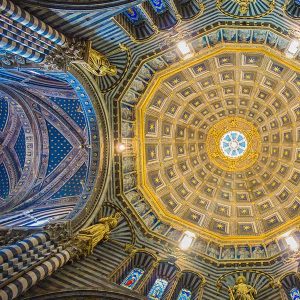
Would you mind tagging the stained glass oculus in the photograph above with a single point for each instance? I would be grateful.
(185, 295)
(132, 278)
(295, 294)
(158, 289)
(233, 144)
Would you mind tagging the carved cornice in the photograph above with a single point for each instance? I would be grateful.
(71, 5)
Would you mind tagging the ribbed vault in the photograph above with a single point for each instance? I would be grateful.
(46, 144)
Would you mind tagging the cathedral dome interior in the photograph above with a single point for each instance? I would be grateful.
(185, 120)
(150, 149)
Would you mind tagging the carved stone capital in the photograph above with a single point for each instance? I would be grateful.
(60, 58)
(98, 64)
(59, 231)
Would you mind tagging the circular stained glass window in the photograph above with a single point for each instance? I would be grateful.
(233, 144)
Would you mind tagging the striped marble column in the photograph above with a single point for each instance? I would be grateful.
(23, 283)
(25, 35)
(18, 248)
(19, 49)
(14, 12)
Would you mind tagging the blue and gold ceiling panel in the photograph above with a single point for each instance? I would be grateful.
(170, 203)
(59, 147)
(161, 14)
(74, 186)
(73, 108)
(20, 147)
(4, 182)
(3, 113)
(134, 22)
(160, 6)
(294, 208)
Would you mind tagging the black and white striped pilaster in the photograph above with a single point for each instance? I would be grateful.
(23, 283)
(18, 248)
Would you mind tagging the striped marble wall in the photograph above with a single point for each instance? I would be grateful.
(93, 272)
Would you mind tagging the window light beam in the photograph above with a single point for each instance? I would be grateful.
(187, 240)
(184, 49)
(294, 246)
(293, 48)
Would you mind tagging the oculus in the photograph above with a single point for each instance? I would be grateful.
(233, 144)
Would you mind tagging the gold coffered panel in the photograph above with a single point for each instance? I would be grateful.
(181, 168)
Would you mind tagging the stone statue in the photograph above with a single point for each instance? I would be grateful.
(214, 251)
(149, 220)
(100, 231)
(241, 290)
(244, 5)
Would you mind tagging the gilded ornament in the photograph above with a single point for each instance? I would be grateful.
(250, 9)
(98, 64)
(96, 233)
(248, 154)
(241, 290)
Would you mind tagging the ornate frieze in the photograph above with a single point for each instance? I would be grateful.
(250, 9)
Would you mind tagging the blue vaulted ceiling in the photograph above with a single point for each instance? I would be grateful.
(74, 186)
(45, 145)
(4, 182)
(73, 108)
(59, 147)
(3, 113)
(20, 147)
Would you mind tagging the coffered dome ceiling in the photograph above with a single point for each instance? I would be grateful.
(215, 142)
(187, 118)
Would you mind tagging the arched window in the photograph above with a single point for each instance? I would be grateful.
(188, 287)
(160, 281)
(185, 295)
(132, 279)
(291, 285)
(295, 294)
(133, 269)
(158, 288)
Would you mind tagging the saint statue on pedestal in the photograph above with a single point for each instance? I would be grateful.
(100, 231)
(241, 290)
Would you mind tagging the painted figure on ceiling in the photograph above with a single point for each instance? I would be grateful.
(241, 290)
(258, 252)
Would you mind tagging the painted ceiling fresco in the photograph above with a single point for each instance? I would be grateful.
(44, 146)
